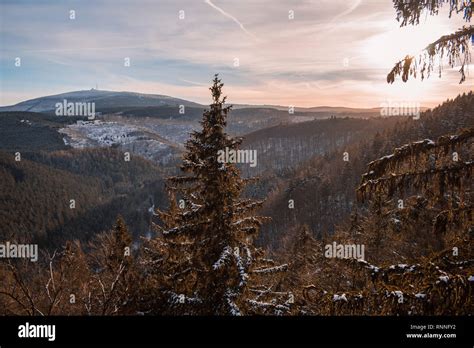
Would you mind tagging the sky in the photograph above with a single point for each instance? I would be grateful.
(281, 52)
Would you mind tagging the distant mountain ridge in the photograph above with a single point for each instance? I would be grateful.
(102, 99)
(331, 109)
(107, 99)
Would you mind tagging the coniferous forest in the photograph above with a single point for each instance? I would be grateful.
(320, 188)
(411, 210)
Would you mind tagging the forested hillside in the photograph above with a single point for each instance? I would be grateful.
(415, 228)
(323, 188)
(31, 131)
(282, 148)
(36, 194)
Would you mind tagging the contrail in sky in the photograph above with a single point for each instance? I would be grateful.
(228, 15)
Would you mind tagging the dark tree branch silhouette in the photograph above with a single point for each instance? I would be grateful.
(454, 47)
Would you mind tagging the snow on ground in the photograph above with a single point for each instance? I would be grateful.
(97, 133)
(129, 137)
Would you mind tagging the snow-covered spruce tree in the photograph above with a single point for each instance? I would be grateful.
(203, 261)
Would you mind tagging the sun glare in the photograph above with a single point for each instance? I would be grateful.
(383, 50)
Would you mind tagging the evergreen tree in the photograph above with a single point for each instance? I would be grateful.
(418, 234)
(204, 258)
(115, 280)
(455, 47)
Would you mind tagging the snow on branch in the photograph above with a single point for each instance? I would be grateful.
(337, 298)
(415, 179)
(242, 269)
(381, 271)
(278, 309)
(248, 205)
(185, 228)
(234, 309)
(275, 269)
(225, 255)
(381, 165)
(247, 220)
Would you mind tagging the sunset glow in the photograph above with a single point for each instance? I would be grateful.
(322, 53)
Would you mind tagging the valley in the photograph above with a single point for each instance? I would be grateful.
(298, 158)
